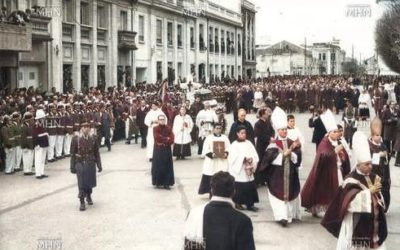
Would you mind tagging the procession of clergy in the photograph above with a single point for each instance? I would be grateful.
(352, 200)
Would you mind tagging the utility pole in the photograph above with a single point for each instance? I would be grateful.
(305, 56)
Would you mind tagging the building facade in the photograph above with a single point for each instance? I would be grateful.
(249, 40)
(285, 58)
(83, 43)
(198, 38)
(329, 57)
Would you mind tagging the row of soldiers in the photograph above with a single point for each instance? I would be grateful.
(59, 123)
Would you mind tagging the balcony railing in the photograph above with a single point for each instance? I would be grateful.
(15, 37)
(126, 40)
(40, 28)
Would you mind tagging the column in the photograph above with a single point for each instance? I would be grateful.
(113, 46)
(55, 61)
(76, 72)
(93, 64)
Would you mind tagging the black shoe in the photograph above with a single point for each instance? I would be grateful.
(82, 207)
(39, 177)
(44, 176)
(17, 169)
(30, 173)
(143, 146)
(109, 149)
(167, 187)
(10, 173)
(128, 142)
(52, 160)
(283, 223)
(239, 207)
(150, 160)
(89, 200)
(182, 158)
(252, 208)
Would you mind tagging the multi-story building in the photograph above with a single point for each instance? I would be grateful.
(249, 39)
(285, 58)
(191, 37)
(84, 43)
(330, 58)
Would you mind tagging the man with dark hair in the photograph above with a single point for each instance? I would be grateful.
(263, 131)
(85, 157)
(243, 160)
(217, 225)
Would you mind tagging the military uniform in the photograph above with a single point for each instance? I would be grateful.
(60, 131)
(16, 127)
(85, 157)
(68, 122)
(41, 143)
(27, 143)
(51, 127)
(7, 133)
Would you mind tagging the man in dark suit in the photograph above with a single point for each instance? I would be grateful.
(241, 121)
(141, 114)
(319, 128)
(217, 225)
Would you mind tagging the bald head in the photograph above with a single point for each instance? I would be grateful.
(242, 115)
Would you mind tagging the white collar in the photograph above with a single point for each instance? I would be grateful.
(376, 144)
(359, 172)
(334, 143)
(223, 199)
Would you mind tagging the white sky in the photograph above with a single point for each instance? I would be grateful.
(319, 21)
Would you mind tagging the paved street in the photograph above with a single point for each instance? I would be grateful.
(128, 213)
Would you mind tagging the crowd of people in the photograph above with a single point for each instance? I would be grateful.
(46, 127)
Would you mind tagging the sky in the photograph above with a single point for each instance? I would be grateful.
(317, 21)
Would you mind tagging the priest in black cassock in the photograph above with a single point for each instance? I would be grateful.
(217, 225)
(243, 123)
(263, 131)
(380, 159)
(356, 215)
(162, 168)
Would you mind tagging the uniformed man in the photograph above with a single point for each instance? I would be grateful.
(85, 157)
(60, 130)
(51, 126)
(27, 143)
(68, 122)
(9, 145)
(41, 143)
(16, 127)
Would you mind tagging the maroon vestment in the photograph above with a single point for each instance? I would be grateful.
(322, 183)
(367, 224)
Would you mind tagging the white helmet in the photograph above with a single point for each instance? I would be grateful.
(40, 114)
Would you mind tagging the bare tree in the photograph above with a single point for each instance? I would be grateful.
(387, 37)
